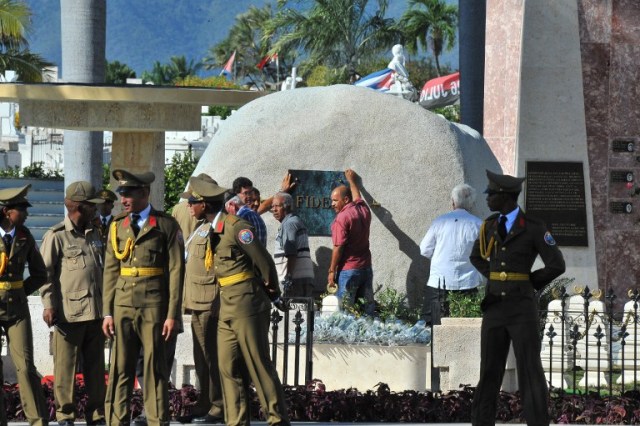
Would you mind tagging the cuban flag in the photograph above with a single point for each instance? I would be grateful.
(379, 80)
(227, 69)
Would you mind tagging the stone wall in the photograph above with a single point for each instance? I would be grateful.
(610, 47)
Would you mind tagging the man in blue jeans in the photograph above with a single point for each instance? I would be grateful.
(351, 257)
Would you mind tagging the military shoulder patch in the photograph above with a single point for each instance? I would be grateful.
(245, 236)
(548, 238)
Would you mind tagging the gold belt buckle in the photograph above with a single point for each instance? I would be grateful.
(134, 271)
(5, 285)
(503, 276)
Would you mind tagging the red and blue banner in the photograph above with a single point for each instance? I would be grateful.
(379, 80)
(441, 91)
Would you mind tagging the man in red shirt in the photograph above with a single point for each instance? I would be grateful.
(351, 257)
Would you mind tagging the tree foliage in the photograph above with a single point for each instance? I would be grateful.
(335, 33)
(15, 19)
(117, 73)
(176, 176)
(430, 24)
(250, 38)
(177, 69)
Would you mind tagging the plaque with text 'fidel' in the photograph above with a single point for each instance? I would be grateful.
(555, 193)
(312, 198)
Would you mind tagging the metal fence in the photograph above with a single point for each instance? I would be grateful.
(47, 149)
(589, 344)
(297, 322)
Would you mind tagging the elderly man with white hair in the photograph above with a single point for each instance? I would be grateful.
(448, 244)
(292, 256)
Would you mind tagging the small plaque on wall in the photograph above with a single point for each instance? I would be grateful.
(621, 176)
(620, 207)
(622, 145)
(555, 193)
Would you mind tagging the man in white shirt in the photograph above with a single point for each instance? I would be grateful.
(448, 244)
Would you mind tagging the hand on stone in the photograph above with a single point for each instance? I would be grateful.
(287, 183)
(351, 175)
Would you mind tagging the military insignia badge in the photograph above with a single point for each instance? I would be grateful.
(548, 238)
(245, 236)
(203, 233)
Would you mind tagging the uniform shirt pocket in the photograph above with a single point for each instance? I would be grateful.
(203, 290)
(200, 250)
(77, 303)
(73, 259)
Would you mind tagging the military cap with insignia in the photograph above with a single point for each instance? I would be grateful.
(503, 183)
(127, 180)
(107, 195)
(15, 197)
(82, 191)
(203, 188)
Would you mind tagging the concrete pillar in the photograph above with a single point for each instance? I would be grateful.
(140, 152)
(83, 36)
(472, 15)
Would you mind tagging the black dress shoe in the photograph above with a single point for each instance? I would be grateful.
(207, 420)
(96, 422)
(66, 423)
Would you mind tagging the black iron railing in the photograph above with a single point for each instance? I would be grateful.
(300, 314)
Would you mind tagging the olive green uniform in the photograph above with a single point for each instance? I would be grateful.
(15, 320)
(141, 291)
(201, 299)
(74, 291)
(510, 313)
(181, 213)
(242, 266)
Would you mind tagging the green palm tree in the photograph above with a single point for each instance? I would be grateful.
(160, 74)
(430, 24)
(15, 19)
(181, 69)
(117, 73)
(247, 37)
(335, 33)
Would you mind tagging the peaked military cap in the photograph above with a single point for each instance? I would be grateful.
(11, 197)
(503, 183)
(127, 179)
(107, 195)
(82, 191)
(203, 188)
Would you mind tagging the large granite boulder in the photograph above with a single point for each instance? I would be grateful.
(409, 160)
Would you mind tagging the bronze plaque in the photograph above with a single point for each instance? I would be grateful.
(312, 198)
(555, 194)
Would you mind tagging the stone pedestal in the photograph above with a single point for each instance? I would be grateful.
(140, 152)
(534, 105)
(456, 352)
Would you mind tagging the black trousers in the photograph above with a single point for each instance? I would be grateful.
(510, 319)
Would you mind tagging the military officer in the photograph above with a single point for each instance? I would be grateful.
(72, 300)
(508, 244)
(104, 217)
(248, 280)
(143, 273)
(201, 297)
(17, 248)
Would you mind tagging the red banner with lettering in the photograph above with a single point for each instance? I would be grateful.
(441, 91)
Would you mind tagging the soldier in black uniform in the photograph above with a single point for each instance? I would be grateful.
(507, 246)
